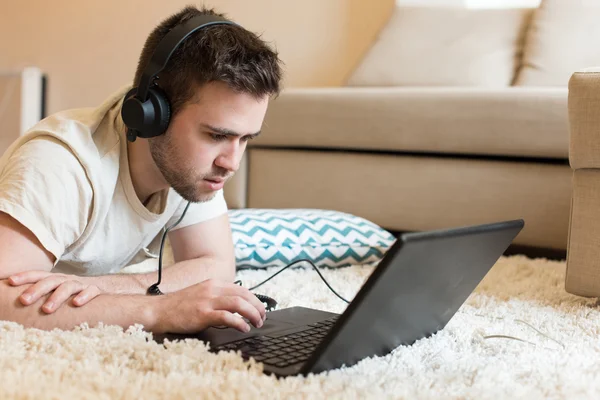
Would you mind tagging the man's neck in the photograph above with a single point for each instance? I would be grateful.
(145, 176)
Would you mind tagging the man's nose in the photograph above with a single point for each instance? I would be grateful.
(230, 158)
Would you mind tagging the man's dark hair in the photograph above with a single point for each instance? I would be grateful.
(223, 53)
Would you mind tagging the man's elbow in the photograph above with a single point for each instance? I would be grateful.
(228, 271)
(11, 308)
(211, 267)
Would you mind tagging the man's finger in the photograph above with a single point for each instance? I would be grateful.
(236, 304)
(235, 290)
(41, 288)
(61, 294)
(26, 277)
(86, 295)
(222, 317)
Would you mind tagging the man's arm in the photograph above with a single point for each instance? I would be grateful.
(210, 303)
(200, 251)
(210, 239)
(122, 310)
(191, 310)
(21, 251)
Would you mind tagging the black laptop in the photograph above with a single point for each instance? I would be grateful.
(414, 291)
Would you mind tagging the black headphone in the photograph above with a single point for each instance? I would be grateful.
(146, 110)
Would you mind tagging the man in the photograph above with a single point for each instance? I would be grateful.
(78, 201)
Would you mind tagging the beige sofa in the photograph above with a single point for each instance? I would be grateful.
(583, 262)
(453, 117)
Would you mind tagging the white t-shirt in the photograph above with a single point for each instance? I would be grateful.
(67, 180)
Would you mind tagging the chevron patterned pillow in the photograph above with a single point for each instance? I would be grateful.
(278, 237)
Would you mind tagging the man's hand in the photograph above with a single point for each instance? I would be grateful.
(208, 303)
(63, 286)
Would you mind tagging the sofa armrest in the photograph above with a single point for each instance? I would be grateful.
(583, 249)
(584, 119)
(519, 121)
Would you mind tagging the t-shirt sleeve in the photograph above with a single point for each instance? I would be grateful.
(199, 212)
(45, 187)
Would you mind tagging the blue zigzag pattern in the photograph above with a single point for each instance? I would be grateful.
(278, 237)
(322, 231)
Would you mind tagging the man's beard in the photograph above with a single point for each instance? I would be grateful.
(185, 181)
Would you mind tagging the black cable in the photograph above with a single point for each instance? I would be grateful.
(154, 290)
(296, 262)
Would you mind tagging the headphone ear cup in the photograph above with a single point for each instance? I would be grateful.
(148, 119)
(131, 93)
(162, 113)
(132, 114)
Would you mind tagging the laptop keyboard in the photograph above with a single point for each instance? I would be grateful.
(284, 350)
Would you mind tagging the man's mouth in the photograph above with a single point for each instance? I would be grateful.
(215, 180)
(215, 183)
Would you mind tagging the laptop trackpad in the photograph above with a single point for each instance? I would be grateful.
(218, 336)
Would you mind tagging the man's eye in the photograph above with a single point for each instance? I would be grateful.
(247, 138)
(217, 137)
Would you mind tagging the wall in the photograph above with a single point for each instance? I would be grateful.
(89, 49)
(471, 3)
(501, 3)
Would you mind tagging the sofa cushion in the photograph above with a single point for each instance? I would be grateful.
(439, 46)
(584, 119)
(276, 238)
(564, 37)
(406, 193)
(512, 121)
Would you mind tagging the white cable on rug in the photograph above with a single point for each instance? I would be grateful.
(541, 333)
(508, 337)
(513, 337)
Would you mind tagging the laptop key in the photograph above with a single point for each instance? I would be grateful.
(245, 349)
(273, 360)
(294, 347)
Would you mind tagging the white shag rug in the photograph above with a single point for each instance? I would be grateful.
(520, 335)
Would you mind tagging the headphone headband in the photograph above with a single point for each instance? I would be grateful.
(146, 110)
(169, 44)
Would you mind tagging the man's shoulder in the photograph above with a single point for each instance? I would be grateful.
(88, 134)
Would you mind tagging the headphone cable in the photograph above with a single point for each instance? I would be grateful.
(154, 290)
(293, 263)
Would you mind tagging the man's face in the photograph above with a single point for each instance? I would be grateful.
(205, 141)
